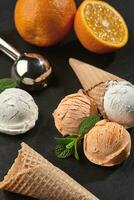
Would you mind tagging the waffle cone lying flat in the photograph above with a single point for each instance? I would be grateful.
(93, 80)
(34, 176)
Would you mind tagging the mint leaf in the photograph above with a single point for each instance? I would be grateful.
(6, 83)
(70, 145)
(87, 124)
(64, 141)
(62, 152)
(65, 146)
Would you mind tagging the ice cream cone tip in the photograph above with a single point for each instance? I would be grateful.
(90, 76)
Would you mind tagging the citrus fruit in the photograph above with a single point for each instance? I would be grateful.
(44, 22)
(99, 27)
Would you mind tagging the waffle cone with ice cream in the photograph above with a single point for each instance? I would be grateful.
(93, 80)
(113, 95)
(34, 176)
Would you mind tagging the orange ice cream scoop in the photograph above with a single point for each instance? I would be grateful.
(107, 144)
(72, 110)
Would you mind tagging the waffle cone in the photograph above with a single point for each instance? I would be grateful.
(97, 94)
(90, 76)
(34, 176)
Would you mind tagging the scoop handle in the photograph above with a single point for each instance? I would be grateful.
(9, 50)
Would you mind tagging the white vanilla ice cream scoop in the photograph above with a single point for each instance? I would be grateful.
(115, 101)
(18, 111)
(119, 102)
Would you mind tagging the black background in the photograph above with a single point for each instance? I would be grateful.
(107, 183)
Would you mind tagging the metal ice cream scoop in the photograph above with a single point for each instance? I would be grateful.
(29, 69)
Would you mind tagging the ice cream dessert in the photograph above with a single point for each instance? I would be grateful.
(114, 96)
(71, 111)
(119, 102)
(115, 100)
(18, 111)
(107, 144)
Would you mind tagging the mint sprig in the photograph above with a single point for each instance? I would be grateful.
(65, 147)
(68, 146)
(62, 152)
(6, 83)
(87, 124)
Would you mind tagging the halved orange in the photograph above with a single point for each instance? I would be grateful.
(99, 27)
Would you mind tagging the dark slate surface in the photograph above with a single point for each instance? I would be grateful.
(107, 183)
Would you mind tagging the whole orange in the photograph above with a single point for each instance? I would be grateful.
(44, 22)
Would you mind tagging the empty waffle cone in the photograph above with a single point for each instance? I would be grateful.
(34, 176)
(90, 76)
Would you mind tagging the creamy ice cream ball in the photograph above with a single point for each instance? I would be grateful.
(107, 144)
(71, 111)
(119, 102)
(18, 111)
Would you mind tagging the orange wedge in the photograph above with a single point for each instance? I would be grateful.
(99, 27)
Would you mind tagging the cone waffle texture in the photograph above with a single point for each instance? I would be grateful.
(34, 176)
(89, 75)
(97, 94)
